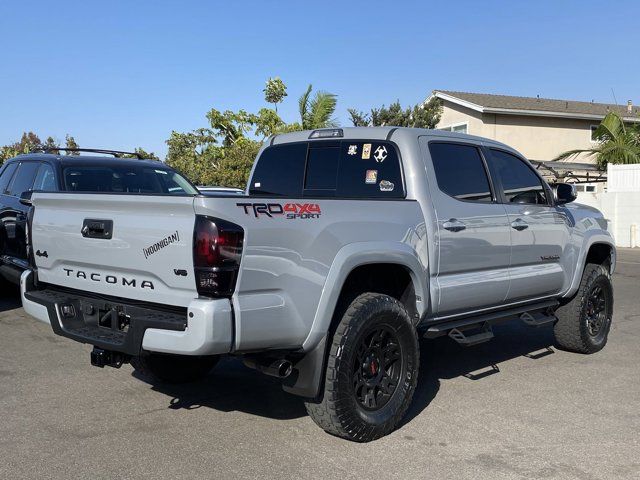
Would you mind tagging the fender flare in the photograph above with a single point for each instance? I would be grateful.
(310, 368)
(355, 255)
(597, 237)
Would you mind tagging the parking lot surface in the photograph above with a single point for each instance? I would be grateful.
(516, 407)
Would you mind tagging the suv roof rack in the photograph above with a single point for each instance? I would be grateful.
(115, 153)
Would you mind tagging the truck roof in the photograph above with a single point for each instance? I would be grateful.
(375, 133)
(87, 159)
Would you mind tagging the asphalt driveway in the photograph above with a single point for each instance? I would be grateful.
(516, 407)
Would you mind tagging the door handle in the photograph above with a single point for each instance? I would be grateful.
(454, 225)
(519, 224)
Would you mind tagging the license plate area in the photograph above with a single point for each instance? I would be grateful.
(109, 323)
(83, 313)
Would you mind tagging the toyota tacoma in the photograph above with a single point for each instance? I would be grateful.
(348, 246)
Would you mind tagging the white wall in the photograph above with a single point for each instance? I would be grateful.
(623, 178)
(622, 209)
(620, 204)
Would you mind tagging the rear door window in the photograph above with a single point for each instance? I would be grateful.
(460, 171)
(23, 179)
(45, 179)
(6, 176)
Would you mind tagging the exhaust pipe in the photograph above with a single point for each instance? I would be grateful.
(278, 367)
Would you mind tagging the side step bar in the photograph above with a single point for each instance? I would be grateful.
(537, 319)
(484, 335)
(536, 314)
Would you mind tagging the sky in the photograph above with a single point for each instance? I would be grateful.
(124, 74)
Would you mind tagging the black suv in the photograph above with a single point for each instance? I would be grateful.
(73, 173)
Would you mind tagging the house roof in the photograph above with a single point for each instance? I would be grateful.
(488, 103)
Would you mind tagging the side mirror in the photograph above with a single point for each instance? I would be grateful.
(564, 193)
(25, 198)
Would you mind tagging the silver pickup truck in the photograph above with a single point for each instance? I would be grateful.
(348, 246)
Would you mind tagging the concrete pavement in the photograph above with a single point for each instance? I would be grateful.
(513, 408)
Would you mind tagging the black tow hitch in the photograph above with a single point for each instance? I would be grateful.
(107, 358)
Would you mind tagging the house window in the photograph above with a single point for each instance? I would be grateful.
(593, 129)
(457, 128)
(590, 188)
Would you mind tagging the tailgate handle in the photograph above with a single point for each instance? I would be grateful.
(93, 228)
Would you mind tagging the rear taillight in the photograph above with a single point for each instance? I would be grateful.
(217, 249)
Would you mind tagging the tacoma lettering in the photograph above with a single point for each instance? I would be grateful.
(110, 279)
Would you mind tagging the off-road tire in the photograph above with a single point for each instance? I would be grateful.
(173, 368)
(572, 328)
(340, 411)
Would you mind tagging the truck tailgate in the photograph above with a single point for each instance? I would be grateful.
(130, 246)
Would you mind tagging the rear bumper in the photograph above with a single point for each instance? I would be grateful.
(205, 327)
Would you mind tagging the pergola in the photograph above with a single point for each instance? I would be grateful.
(570, 172)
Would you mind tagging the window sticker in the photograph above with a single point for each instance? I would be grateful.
(371, 176)
(366, 151)
(386, 186)
(380, 154)
(353, 150)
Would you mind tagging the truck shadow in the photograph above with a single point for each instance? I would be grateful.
(444, 359)
(234, 387)
(9, 298)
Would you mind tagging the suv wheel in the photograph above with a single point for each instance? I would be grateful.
(371, 371)
(173, 368)
(584, 322)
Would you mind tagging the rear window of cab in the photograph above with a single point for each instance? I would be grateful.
(339, 169)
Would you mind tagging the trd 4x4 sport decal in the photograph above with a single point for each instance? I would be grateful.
(290, 210)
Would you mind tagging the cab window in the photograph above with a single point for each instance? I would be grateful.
(126, 179)
(279, 171)
(460, 172)
(6, 176)
(331, 168)
(369, 169)
(23, 179)
(45, 179)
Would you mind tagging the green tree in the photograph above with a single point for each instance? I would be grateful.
(425, 115)
(29, 142)
(143, 153)
(617, 143)
(316, 112)
(234, 164)
(275, 91)
(223, 152)
(70, 142)
(51, 146)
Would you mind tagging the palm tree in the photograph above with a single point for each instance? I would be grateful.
(317, 112)
(618, 143)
